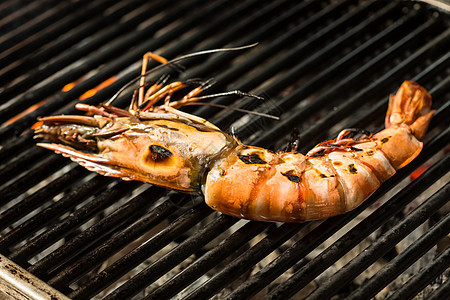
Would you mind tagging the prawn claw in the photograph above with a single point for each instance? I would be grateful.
(92, 162)
(71, 119)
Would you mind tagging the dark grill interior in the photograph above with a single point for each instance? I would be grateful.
(321, 65)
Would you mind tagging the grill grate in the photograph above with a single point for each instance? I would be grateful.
(321, 65)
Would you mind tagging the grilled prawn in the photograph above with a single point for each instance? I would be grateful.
(164, 146)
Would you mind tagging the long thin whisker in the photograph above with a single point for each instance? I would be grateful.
(233, 108)
(199, 53)
(235, 92)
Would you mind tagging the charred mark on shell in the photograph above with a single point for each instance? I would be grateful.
(291, 176)
(333, 146)
(318, 153)
(370, 152)
(355, 149)
(165, 126)
(356, 133)
(251, 159)
(158, 153)
(385, 140)
(352, 169)
(337, 163)
(321, 175)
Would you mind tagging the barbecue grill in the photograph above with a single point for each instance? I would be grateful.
(321, 66)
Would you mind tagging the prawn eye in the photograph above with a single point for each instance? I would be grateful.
(158, 153)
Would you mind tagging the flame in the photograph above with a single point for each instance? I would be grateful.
(25, 112)
(419, 171)
(69, 86)
(90, 92)
(66, 88)
(102, 85)
(37, 124)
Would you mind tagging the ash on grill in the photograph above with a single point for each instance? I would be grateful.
(321, 65)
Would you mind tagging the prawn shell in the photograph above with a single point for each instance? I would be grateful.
(357, 180)
(261, 185)
(398, 145)
(321, 188)
(375, 159)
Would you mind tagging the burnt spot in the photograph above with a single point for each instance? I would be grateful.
(355, 133)
(352, 169)
(290, 175)
(158, 153)
(355, 149)
(385, 140)
(322, 176)
(318, 153)
(333, 146)
(165, 126)
(337, 163)
(251, 159)
(370, 152)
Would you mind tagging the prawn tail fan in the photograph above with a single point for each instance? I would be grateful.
(411, 106)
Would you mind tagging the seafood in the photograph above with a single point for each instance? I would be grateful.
(164, 146)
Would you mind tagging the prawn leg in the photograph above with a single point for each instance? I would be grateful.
(147, 56)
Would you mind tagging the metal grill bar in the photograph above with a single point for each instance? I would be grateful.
(246, 260)
(127, 262)
(355, 236)
(135, 208)
(18, 64)
(387, 242)
(32, 177)
(31, 202)
(343, 85)
(13, 277)
(419, 281)
(101, 56)
(56, 209)
(304, 49)
(207, 261)
(97, 283)
(315, 20)
(345, 53)
(174, 257)
(406, 258)
(70, 222)
(325, 230)
(50, 15)
(351, 104)
(191, 41)
(12, 10)
(34, 41)
(16, 165)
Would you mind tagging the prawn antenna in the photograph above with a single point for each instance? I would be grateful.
(172, 63)
(235, 92)
(256, 113)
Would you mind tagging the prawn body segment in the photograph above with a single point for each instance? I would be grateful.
(290, 187)
(333, 178)
(167, 147)
(260, 185)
